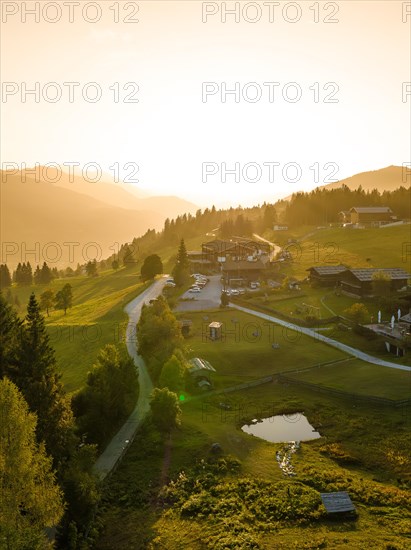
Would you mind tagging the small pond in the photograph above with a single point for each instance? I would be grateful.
(282, 428)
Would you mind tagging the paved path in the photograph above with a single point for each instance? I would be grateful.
(117, 446)
(334, 343)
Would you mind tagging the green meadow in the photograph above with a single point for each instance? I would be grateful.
(95, 319)
(371, 247)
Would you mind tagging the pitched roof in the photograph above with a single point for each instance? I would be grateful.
(328, 269)
(371, 209)
(337, 502)
(198, 364)
(366, 274)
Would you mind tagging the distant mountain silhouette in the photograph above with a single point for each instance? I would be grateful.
(124, 195)
(384, 179)
(40, 212)
(80, 211)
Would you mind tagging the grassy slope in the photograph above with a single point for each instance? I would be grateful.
(371, 247)
(96, 319)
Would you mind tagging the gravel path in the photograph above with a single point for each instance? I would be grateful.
(334, 343)
(118, 445)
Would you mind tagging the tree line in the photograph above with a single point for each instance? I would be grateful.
(322, 206)
(49, 441)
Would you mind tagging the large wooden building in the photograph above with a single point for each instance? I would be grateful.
(325, 275)
(356, 282)
(371, 215)
(241, 272)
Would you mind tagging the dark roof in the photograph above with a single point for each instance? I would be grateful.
(243, 265)
(371, 209)
(328, 269)
(337, 502)
(366, 274)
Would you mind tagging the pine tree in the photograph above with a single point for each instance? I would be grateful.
(181, 271)
(37, 276)
(5, 278)
(30, 498)
(40, 384)
(46, 275)
(91, 268)
(10, 327)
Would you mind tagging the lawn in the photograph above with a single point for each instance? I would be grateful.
(96, 319)
(246, 352)
(361, 378)
(371, 247)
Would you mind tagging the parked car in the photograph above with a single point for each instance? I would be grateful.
(194, 290)
(235, 292)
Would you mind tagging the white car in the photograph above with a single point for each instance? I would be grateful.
(194, 290)
(235, 292)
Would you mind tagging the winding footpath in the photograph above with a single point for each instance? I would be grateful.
(334, 343)
(121, 441)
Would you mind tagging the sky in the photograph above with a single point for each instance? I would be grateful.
(319, 93)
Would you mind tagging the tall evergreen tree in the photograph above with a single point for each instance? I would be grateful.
(46, 275)
(39, 381)
(37, 276)
(5, 278)
(10, 327)
(91, 268)
(181, 271)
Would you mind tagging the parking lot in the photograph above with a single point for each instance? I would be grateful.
(207, 298)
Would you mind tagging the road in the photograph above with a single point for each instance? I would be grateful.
(118, 445)
(334, 343)
(276, 249)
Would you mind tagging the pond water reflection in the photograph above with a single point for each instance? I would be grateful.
(281, 428)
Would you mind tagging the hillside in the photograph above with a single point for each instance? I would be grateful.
(40, 212)
(385, 179)
(124, 195)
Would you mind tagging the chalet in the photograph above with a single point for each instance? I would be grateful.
(325, 275)
(356, 282)
(371, 215)
(241, 272)
(359, 282)
(218, 251)
(198, 259)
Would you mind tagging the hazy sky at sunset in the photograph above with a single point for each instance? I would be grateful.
(170, 52)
